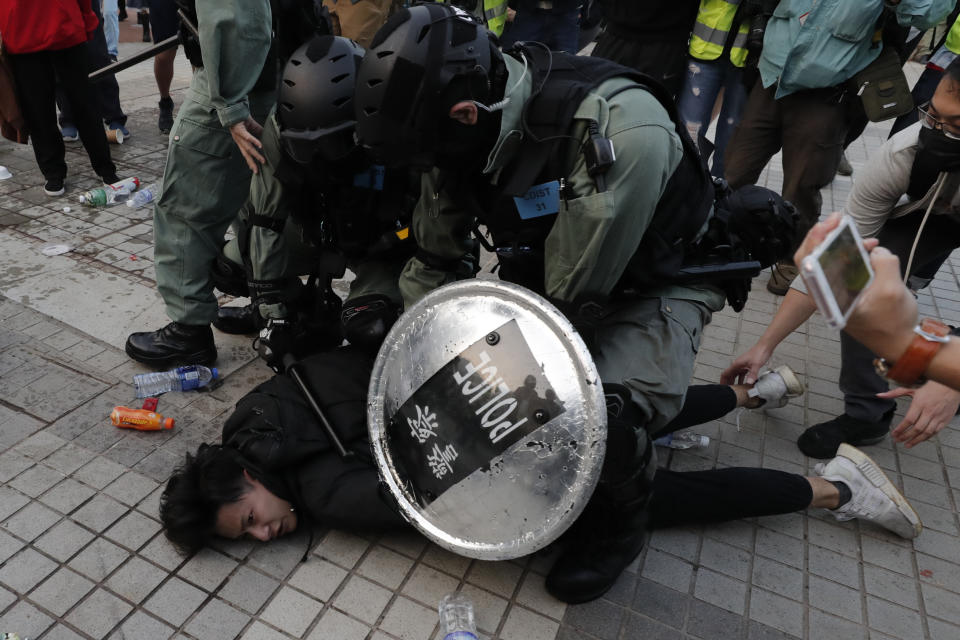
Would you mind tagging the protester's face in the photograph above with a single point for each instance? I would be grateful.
(258, 514)
(945, 105)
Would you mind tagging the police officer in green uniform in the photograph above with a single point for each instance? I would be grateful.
(592, 192)
(212, 153)
(317, 205)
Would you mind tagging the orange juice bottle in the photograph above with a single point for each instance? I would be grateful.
(139, 419)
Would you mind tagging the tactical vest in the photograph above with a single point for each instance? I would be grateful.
(362, 213)
(564, 81)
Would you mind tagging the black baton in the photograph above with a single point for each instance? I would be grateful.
(289, 364)
(136, 58)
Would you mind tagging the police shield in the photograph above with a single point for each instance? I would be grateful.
(487, 419)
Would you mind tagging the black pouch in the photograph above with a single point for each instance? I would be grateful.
(883, 87)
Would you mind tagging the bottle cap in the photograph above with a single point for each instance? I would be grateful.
(216, 374)
(704, 441)
(168, 423)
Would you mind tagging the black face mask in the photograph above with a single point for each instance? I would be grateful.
(939, 150)
(935, 153)
(465, 148)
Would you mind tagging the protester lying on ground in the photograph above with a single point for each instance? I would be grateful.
(885, 318)
(275, 471)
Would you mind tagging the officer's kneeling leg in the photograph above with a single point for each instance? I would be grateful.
(613, 528)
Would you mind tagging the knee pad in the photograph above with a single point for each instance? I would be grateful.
(229, 277)
(367, 319)
(630, 452)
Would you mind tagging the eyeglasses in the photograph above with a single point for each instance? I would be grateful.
(930, 122)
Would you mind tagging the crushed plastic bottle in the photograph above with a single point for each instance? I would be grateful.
(683, 440)
(456, 617)
(110, 194)
(144, 196)
(187, 378)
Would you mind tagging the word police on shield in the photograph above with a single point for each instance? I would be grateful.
(485, 399)
(487, 419)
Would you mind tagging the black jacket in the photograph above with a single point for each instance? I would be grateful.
(285, 447)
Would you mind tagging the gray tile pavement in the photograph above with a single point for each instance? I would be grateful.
(82, 556)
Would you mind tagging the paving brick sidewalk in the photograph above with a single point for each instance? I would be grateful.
(82, 556)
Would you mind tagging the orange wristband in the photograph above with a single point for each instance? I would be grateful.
(910, 366)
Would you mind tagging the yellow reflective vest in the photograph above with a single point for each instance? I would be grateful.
(953, 37)
(712, 28)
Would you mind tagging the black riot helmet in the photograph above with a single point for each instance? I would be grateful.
(315, 105)
(405, 84)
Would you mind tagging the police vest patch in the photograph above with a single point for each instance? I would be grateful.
(539, 200)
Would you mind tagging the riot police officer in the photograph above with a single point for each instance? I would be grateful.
(593, 195)
(316, 205)
(213, 151)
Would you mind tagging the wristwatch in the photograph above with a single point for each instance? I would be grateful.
(908, 370)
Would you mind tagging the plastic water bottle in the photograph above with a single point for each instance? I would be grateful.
(683, 440)
(110, 194)
(145, 196)
(179, 379)
(456, 617)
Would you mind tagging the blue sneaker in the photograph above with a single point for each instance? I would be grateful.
(116, 126)
(70, 133)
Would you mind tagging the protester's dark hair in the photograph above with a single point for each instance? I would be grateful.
(196, 491)
(953, 70)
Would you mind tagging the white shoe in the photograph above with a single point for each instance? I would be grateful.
(874, 497)
(776, 387)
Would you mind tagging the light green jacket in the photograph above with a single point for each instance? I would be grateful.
(234, 39)
(595, 234)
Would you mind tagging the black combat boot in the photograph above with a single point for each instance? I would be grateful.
(175, 344)
(614, 527)
(243, 320)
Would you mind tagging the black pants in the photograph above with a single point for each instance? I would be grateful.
(717, 495)
(107, 91)
(663, 59)
(36, 77)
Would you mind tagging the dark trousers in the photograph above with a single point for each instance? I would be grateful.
(106, 91)
(717, 495)
(809, 126)
(664, 60)
(858, 379)
(558, 29)
(36, 77)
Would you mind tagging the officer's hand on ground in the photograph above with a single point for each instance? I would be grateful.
(245, 136)
(746, 368)
(932, 408)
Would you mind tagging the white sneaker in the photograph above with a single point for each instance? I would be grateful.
(874, 497)
(776, 387)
